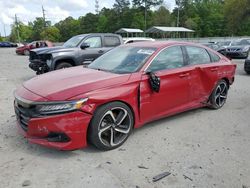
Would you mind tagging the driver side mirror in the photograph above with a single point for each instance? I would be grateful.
(84, 46)
(154, 81)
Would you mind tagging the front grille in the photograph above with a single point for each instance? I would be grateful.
(24, 112)
(33, 55)
(22, 118)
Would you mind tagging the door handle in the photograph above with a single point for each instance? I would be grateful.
(214, 69)
(100, 51)
(184, 75)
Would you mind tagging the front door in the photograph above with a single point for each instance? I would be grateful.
(93, 51)
(174, 92)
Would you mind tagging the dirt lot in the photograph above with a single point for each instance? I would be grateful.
(211, 148)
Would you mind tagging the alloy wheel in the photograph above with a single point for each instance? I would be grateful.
(221, 94)
(114, 127)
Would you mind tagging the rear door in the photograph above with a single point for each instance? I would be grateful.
(174, 92)
(110, 41)
(205, 72)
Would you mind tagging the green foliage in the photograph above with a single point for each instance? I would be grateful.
(51, 33)
(209, 18)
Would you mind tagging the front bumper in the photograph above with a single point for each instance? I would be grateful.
(64, 131)
(237, 54)
(39, 66)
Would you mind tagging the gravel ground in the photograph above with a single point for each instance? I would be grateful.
(200, 148)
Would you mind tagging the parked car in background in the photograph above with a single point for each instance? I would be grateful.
(25, 49)
(213, 46)
(8, 44)
(136, 39)
(247, 65)
(123, 89)
(78, 50)
(237, 49)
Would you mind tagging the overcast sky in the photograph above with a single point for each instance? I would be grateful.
(56, 10)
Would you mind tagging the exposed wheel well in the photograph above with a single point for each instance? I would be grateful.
(71, 61)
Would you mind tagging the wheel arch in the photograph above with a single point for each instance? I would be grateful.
(121, 101)
(64, 59)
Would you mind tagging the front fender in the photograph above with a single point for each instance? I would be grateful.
(127, 94)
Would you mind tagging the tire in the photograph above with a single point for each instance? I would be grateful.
(248, 72)
(26, 52)
(219, 95)
(110, 126)
(63, 65)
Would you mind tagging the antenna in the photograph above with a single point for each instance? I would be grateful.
(97, 6)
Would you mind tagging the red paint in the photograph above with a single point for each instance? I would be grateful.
(20, 50)
(181, 89)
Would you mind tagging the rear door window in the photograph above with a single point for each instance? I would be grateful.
(197, 55)
(111, 41)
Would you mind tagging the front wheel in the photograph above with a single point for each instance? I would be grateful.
(63, 65)
(219, 95)
(111, 126)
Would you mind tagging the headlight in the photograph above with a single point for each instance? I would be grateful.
(58, 107)
(245, 49)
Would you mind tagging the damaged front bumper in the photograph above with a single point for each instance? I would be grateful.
(39, 66)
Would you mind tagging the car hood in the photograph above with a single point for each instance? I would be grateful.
(50, 50)
(66, 83)
(238, 47)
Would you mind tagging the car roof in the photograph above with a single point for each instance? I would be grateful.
(161, 44)
(96, 34)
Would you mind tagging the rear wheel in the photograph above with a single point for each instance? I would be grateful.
(219, 95)
(111, 126)
(248, 72)
(26, 52)
(63, 65)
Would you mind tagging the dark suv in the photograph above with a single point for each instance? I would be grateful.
(78, 50)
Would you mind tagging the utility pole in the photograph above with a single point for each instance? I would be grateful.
(4, 30)
(145, 17)
(44, 21)
(17, 29)
(96, 6)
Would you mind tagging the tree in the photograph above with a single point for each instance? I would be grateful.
(68, 28)
(88, 23)
(162, 17)
(120, 5)
(51, 33)
(38, 27)
(237, 15)
(148, 3)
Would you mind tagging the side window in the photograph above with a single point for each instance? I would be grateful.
(169, 58)
(110, 41)
(214, 57)
(94, 42)
(197, 55)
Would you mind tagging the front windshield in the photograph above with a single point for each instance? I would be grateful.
(73, 42)
(125, 59)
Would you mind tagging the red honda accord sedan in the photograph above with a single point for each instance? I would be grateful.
(121, 90)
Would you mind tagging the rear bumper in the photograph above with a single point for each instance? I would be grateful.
(64, 132)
